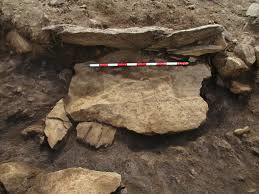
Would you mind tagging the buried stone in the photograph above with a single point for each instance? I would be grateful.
(144, 100)
(75, 181)
(20, 178)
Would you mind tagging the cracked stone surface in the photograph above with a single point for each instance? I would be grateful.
(57, 124)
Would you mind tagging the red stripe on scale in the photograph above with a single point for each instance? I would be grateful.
(122, 64)
(182, 63)
(141, 64)
(103, 65)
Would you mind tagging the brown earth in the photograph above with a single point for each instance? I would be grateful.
(210, 159)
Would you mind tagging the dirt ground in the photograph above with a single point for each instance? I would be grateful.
(207, 160)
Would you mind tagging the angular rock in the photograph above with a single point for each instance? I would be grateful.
(18, 43)
(95, 134)
(229, 66)
(253, 10)
(134, 37)
(240, 88)
(246, 52)
(182, 38)
(76, 180)
(34, 129)
(57, 124)
(16, 176)
(144, 100)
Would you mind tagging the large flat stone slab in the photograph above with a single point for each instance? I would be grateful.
(134, 37)
(182, 38)
(209, 38)
(144, 100)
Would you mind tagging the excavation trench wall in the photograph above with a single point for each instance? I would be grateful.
(39, 81)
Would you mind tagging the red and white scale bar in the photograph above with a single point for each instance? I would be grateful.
(139, 64)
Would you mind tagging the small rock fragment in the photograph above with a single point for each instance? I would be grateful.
(18, 43)
(57, 124)
(246, 52)
(35, 130)
(253, 10)
(191, 7)
(252, 191)
(56, 2)
(242, 131)
(95, 134)
(239, 88)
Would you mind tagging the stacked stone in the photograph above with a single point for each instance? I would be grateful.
(235, 68)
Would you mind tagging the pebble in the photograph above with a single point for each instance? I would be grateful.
(56, 2)
(242, 131)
